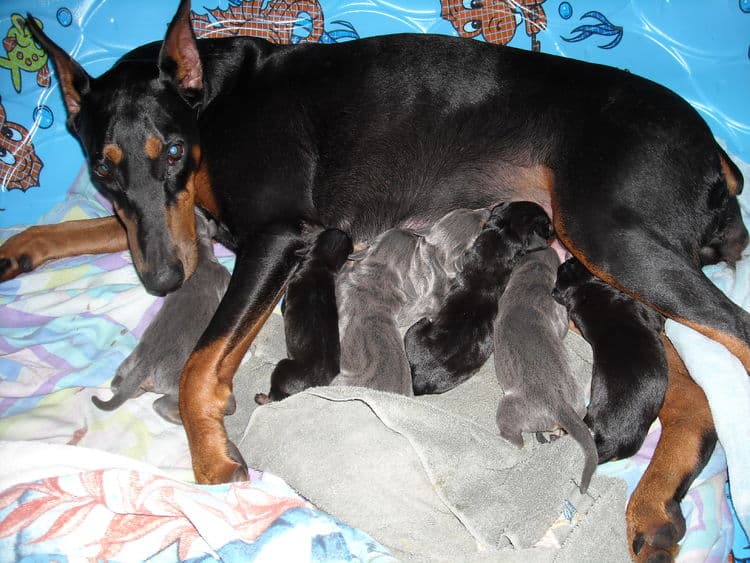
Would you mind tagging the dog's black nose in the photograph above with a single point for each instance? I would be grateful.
(164, 280)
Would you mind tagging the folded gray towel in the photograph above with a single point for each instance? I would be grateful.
(430, 477)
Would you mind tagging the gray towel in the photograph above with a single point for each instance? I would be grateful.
(429, 476)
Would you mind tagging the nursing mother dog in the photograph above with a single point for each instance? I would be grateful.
(390, 131)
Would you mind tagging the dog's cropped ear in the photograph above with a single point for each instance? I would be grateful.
(74, 81)
(179, 61)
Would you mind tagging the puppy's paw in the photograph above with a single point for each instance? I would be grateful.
(115, 383)
(262, 399)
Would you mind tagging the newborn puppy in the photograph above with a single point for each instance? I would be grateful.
(448, 349)
(540, 392)
(400, 277)
(311, 324)
(630, 365)
(156, 362)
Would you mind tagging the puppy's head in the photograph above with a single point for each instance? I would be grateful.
(332, 247)
(524, 222)
(571, 275)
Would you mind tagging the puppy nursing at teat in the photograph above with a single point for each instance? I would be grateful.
(310, 319)
(402, 277)
(629, 379)
(448, 348)
(539, 391)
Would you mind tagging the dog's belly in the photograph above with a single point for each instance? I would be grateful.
(417, 206)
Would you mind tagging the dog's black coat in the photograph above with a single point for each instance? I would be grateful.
(447, 350)
(311, 321)
(630, 365)
(371, 134)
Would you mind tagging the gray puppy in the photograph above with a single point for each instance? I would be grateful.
(540, 392)
(398, 279)
(156, 362)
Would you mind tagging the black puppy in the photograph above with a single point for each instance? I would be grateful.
(630, 365)
(311, 322)
(450, 348)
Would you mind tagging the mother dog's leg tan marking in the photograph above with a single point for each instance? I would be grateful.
(31, 248)
(206, 383)
(654, 520)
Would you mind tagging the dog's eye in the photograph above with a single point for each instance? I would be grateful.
(174, 152)
(103, 170)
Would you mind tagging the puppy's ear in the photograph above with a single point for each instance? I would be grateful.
(75, 82)
(179, 60)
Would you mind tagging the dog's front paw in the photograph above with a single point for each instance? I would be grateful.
(17, 254)
(650, 554)
(10, 267)
(225, 465)
(654, 529)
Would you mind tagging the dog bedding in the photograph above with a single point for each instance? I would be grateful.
(81, 482)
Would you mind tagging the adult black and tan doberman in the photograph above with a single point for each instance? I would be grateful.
(371, 134)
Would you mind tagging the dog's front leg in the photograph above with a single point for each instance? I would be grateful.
(260, 274)
(29, 249)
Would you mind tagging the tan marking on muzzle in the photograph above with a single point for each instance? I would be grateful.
(131, 228)
(113, 153)
(153, 148)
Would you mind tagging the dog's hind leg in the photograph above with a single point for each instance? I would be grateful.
(648, 256)
(677, 289)
(31, 248)
(257, 282)
(654, 520)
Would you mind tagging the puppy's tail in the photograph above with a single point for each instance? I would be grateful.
(130, 386)
(574, 426)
